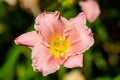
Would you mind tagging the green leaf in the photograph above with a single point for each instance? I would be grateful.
(11, 60)
(103, 78)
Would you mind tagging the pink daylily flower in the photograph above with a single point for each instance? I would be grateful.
(91, 8)
(57, 41)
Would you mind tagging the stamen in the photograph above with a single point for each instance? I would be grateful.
(63, 55)
(59, 46)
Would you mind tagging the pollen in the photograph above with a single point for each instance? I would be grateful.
(59, 46)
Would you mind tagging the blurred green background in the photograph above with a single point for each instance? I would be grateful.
(101, 61)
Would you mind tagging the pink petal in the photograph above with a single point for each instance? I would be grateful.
(28, 39)
(79, 20)
(49, 24)
(44, 61)
(80, 39)
(91, 8)
(79, 35)
(74, 61)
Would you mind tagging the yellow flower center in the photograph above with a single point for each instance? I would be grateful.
(59, 46)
